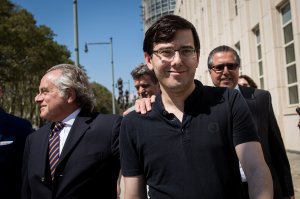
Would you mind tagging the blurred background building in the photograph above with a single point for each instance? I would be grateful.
(267, 36)
(154, 9)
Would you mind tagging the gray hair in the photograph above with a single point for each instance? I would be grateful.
(222, 48)
(141, 70)
(75, 78)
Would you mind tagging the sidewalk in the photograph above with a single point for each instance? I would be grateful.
(294, 159)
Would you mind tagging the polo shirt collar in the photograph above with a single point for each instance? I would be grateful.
(191, 104)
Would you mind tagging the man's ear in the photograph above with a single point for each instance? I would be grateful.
(148, 60)
(71, 95)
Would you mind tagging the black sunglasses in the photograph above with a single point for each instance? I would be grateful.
(220, 67)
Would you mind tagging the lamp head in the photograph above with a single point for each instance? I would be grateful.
(86, 48)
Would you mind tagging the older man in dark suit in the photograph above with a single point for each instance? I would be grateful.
(13, 133)
(223, 64)
(76, 154)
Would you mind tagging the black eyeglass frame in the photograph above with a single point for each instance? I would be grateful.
(180, 50)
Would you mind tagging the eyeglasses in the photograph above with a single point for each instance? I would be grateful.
(168, 54)
(220, 67)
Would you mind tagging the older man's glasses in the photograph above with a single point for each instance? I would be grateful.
(220, 67)
(168, 54)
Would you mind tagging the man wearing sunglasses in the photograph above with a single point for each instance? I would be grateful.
(223, 65)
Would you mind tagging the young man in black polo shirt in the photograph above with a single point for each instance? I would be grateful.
(190, 144)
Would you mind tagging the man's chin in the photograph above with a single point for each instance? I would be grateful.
(227, 84)
(43, 116)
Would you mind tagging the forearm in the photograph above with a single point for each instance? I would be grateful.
(260, 184)
(141, 194)
(135, 188)
(119, 185)
(134, 196)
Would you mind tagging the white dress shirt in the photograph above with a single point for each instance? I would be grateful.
(68, 121)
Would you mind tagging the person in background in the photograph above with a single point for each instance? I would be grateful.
(13, 133)
(298, 111)
(245, 80)
(223, 65)
(198, 134)
(75, 155)
(145, 83)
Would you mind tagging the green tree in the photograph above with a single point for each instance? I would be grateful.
(103, 98)
(26, 52)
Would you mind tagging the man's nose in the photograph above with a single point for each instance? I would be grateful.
(225, 71)
(38, 97)
(176, 57)
(141, 89)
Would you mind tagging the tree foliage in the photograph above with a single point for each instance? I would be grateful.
(26, 52)
(103, 98)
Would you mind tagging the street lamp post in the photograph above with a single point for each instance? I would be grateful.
(112, 68)
(76, 32)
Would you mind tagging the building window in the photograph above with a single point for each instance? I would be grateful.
(290, 58)
(259, 58)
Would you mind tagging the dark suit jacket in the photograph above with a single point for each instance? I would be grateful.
(88, 166)
(260, 105)
(13, 133)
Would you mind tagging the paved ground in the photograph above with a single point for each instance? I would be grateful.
(294, 159)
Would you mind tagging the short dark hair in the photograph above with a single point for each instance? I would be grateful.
(222, 48)
(141, 70)
(164, 30)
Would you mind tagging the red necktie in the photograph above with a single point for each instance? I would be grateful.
(54, 147)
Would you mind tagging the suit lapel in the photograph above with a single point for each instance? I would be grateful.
(249, 96)
(247, 92)
(78, 129)
(44, 147)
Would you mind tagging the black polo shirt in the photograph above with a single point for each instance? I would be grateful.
(194, 158)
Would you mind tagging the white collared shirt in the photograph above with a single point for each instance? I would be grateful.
(68, 121)
(237, 88)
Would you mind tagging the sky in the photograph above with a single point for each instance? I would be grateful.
(98, 20)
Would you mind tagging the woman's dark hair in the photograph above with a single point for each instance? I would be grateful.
(249, 80)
